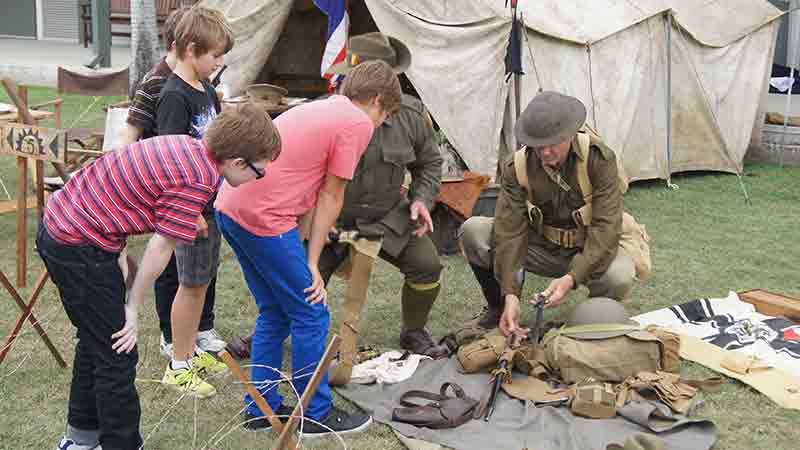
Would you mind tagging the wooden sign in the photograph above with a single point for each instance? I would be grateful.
(46, 144)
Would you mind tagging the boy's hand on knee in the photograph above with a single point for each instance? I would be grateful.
(125, 339)
(316, 292)
(202, 227)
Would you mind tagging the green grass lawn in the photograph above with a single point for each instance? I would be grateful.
(706, 241)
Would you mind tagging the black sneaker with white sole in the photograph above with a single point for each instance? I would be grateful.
(337, 421)
(261, 423)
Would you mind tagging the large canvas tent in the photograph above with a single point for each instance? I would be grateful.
(623, 58)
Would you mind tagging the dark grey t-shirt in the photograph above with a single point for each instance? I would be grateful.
(183, 109)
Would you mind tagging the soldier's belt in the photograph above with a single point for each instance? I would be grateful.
(566, 238)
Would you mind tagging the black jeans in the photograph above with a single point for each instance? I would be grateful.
(103, 395)
(166, 287)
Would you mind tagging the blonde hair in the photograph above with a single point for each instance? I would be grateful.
(207, 28)
(171, 23)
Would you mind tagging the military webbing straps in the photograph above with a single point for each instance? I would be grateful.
(600, 328)
(563, 237)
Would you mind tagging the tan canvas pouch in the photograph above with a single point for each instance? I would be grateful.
(613, 359)
(536, 390)
(636, 243)
(482, 354)
(595, 401)
(530, 359)
(670, 348)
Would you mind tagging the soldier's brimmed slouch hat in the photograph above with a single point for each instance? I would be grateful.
(371, 46)
(549, 119)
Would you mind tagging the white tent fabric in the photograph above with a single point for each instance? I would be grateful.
(256, 25)
(721, 55)
(611, 54)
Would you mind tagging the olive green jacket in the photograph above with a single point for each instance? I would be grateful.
(557, 194)
(373, 202)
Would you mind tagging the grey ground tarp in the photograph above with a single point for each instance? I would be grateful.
(611, 54)
(516, 425)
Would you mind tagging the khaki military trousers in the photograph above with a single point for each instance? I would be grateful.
(545, 259)
(419, 261)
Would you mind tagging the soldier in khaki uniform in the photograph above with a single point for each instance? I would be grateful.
(375, 206)
(548, 241)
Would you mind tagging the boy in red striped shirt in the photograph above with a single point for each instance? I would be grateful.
(156, 185)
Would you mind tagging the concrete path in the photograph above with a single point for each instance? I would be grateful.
(35, 63)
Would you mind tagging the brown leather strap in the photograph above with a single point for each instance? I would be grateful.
(454, 387)
(404, 399)
(442, 395)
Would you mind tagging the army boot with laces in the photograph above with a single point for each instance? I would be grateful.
(489, 317)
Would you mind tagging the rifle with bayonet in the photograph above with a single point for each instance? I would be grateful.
(502, 373)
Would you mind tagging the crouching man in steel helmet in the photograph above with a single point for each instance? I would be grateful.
(539, 229)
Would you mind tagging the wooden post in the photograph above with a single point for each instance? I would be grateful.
(22, 206)
(311, 388)
(22, 221)
(262, 404)
(39, 190)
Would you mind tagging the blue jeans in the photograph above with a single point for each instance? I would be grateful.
(276, 271)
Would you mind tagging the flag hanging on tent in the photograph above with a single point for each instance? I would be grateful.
(336, 37)
(514, 52)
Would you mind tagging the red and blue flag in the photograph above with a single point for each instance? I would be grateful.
(336, 37)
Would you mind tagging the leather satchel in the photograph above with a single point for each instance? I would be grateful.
(442, 412)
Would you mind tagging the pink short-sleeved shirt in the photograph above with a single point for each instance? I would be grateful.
(322, 137)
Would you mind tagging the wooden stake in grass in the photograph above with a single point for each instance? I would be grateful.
(262, 404)
(287, 435)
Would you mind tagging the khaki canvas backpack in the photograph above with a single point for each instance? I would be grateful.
(573, 356)
(634, 239)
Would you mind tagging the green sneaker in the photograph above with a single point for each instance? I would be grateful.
(188, 381)
(208, 366)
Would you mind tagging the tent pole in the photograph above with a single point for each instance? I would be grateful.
(787, 110)
(669, 98)
(517, 94)
(517, 76)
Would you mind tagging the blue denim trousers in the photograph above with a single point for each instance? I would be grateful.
(276, 271)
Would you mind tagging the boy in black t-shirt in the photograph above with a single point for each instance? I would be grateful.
(185, 291)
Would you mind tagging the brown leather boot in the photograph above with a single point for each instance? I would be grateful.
(490, 315)
(416, 307)
(239, 347)
(487, 319)
(420, 341)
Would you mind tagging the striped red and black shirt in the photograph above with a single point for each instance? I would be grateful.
(156, 185)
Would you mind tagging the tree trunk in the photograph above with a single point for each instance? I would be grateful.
(144, 40)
